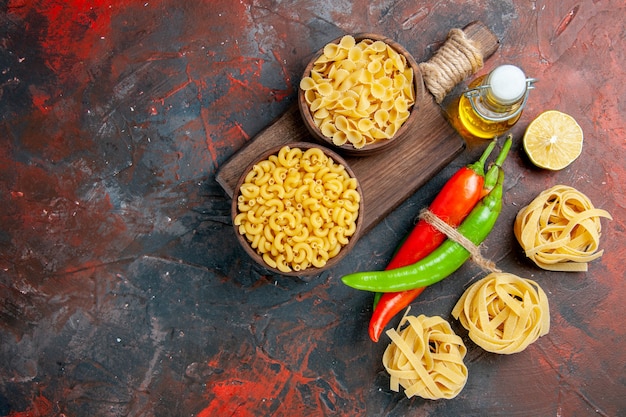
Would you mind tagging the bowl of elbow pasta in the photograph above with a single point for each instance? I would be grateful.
(298, 209)
(358, 94)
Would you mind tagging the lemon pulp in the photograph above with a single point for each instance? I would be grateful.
(553, 140)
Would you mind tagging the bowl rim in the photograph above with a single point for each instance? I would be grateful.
(375, 147)
(311, 270)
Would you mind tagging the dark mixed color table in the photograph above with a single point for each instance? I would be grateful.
(123, 291)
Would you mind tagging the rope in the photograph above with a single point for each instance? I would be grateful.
(456, 60)
(454, 235)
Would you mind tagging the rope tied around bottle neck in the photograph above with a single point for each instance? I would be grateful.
(456, 60)
(457, 237)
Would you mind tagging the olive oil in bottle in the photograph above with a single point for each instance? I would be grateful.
(492, 104)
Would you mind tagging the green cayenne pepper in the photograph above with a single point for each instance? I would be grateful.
(444, 260)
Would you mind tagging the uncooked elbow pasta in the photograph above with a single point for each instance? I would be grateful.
(426, 358)
(359, 93)
(504, 313)
(297, 208)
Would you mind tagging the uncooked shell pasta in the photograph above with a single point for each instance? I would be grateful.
(560, 229)
(504, 313)
(298, 208)
(359, 93)
(426, 358)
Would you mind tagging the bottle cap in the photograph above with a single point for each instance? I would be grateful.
(507, 84)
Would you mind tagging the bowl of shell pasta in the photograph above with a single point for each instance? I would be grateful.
(298, 209)
(358, 93)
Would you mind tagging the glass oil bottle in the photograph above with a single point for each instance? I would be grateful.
(492, 103)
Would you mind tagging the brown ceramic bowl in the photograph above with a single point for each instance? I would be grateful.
(256, 254)
(379, 145)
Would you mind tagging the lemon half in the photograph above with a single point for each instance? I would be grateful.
(553, 140)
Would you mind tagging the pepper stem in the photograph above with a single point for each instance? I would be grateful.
(376, 300)
(504, 151)
(479, 166)
(491, 177)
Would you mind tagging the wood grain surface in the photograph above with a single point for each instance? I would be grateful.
(387, 178)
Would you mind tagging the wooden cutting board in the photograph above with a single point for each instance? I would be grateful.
(386, 178)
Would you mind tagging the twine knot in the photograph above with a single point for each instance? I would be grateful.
(454, 235)
(456, 60)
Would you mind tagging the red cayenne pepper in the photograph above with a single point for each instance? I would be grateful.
(453, 203)
(443, 261)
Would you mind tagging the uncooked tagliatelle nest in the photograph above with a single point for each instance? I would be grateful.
(426, 358)
(504, 313)
(560, 229)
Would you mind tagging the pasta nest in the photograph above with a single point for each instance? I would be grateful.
(504, 313)
(426, 358)
(560, 229)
